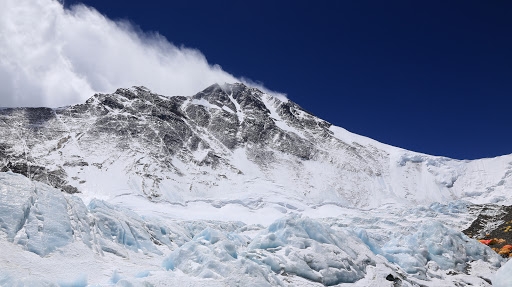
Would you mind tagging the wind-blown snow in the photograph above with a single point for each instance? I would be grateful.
(47, 52)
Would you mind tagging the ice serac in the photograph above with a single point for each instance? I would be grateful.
(42, 219)
(311, 250)
(33, 215)
(44, 231)
(228, 144)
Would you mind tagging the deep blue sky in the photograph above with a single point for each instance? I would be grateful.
(429, 76)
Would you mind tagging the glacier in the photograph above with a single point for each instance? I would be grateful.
(232, 187)
(42, 225)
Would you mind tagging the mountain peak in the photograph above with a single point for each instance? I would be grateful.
(225, 131)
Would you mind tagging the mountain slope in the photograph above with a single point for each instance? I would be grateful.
(228, 144)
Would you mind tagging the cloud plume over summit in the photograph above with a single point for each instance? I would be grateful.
(53, 56)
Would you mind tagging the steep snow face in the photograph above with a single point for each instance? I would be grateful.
(44, 231)
(228, 145)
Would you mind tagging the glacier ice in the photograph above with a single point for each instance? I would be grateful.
(115, 277)
(293, 245)
(35, 217)
(503, 277)
(9, 281)
(6, 280)
(214, 254)
(320, 251)
(121, 227)
(456, 206)
(305, 247)
(42, 219)
(81, 281)
(17, 197)
(433, 241)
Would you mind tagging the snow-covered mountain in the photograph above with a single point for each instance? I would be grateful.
(228, 144)
(234, 187)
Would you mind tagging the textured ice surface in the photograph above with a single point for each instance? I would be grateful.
(121, 227)
(42, 219)
(44, 231)
(291, 246)
(503, 277)
(10, 281)
(7, 280)
(35, 217)
(433, 241)
(214, 254)
(312, 250)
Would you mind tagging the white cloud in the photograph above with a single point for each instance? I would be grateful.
(51, 56)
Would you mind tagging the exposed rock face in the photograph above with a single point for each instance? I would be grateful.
(230, 137)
